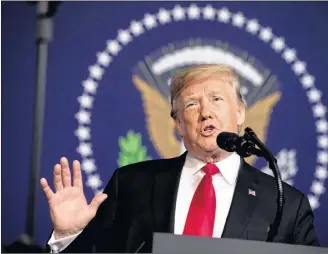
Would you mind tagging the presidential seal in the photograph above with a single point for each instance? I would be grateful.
(130, 82)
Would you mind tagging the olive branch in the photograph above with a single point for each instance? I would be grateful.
(131, 149)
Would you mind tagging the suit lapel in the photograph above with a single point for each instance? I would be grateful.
(245, 199)
(165, 186)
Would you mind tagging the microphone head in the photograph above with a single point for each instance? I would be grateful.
(227, 141)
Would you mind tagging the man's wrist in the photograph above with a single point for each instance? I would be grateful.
(63, 234)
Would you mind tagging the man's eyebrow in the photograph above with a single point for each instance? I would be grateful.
(215, 90)
(191, 96)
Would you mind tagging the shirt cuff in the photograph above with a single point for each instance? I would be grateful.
(58, 245)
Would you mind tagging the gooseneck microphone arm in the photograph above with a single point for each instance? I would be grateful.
(245, 147)
(251, 136)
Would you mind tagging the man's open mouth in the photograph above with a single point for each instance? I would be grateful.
(208, 129)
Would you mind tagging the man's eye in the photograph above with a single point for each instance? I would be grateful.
(190, 104)
(217, 98)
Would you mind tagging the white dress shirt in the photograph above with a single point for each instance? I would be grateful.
(224, 186)
(191, 175)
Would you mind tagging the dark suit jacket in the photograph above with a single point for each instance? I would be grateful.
(141, 200)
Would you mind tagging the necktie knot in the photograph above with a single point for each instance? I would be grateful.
(210, 169)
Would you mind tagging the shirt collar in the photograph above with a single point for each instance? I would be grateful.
(229, 167)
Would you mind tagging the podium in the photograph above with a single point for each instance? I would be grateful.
(169, 243)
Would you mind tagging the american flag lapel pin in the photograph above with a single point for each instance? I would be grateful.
(251, 192)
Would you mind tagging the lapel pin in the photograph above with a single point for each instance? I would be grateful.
(251, 192)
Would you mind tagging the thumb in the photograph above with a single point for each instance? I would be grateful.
(97, 200)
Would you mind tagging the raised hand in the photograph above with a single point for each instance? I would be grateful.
(70, 213)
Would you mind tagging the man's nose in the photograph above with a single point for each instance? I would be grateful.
(206, 112)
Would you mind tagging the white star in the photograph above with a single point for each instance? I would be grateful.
(85, 101)
(266, 34)
(323, 141)
(193, 12)
(83, 133)
(88, 165)
(90, 86)
(163, 16)
(113, 47)
(299, 67)
(319, 110)
(278, 44)
(321, 173)
(238, 20)
(124, 36)
(318, 188)
(84, 149)
(209, 12)
(149, 21)
(103, 58)
(96, 71)
(323, 157)
(83, 117)
(136, 28)
(252, 26)
(307, 81)
(322, 125)
(289, 55)
(94, 181)
(313, 202)
(178, 13)
(224, 15)
(314, 95)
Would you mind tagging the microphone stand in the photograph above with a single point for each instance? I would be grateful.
(251, 141)
(43, 36)
(44, 12)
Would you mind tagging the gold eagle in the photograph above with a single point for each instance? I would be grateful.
(161, 127)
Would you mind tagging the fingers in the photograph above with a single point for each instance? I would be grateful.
(66, 173)
(46, 189)
(77, 174)
(62, 174)
(97, 200)
(58, 182)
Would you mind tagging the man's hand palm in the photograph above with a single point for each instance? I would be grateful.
(69, 210)
(72, 202)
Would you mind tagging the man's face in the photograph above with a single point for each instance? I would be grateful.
(204, 110)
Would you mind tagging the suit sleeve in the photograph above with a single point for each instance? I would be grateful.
(304, 232)
(101, 225)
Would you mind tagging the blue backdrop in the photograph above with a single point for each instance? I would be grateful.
(107, 89)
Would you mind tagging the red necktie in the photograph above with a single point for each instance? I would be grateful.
(201, 215)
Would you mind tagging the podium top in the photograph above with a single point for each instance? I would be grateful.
(169, 243)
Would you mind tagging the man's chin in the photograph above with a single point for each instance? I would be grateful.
(210, 149)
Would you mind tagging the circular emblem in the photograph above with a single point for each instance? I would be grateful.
(127, 93)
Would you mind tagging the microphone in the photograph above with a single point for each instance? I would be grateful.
(245, 146)
(231, 142)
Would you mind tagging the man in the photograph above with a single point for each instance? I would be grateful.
(206, 191)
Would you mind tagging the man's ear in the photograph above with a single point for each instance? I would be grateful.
(241, 112)
(178, 126)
